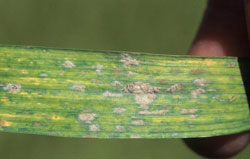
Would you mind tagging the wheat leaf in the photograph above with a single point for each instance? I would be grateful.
(106, 94)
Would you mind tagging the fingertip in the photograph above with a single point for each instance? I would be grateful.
(219, 146)
(223, 30)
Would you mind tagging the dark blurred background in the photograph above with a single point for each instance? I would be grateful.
(160, 26)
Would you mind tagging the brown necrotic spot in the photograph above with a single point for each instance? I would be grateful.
(163, 82)
(12, 88)
(140, 88)
(201, 82)
(128, 61)
(2, 122)
(89, 136)
(175, 88)
(232, 98)
(88, 117)
(68, 64)
(146, 112)
(119, 110)
(196, 72)
(175, 71)
(78, 87)
(117, 71)
(195, 93)
(95, 81)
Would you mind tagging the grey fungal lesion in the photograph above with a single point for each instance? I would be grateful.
(68, 64)
(87, 117)
(201, 82)
(128, 60)
(144, 93)
(78, 87)
(137, 122)
(119, 128)
(231, 64)
(135, 136)
(110, 94)
(176, 87)
(116, 83)
(94, 127)
(144, 99)
(154, 112)
(140, 88)
(195, 93)
(43, 75)
(189, 111)
(131, 73)
(12, 88)
(119, 110)
(98, 68)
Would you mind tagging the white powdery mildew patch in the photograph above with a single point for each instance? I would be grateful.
(138, 122)
(94, 127)
(68, 64)
(195, 93)
(201, 82)
(87, 117)
(78, 87)
(109, 94)
(188, 111)
(12, 88)
(128, 61)
(119, 110)
(146, 112)
(175, 88)
(144, 99)
(119, 128)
